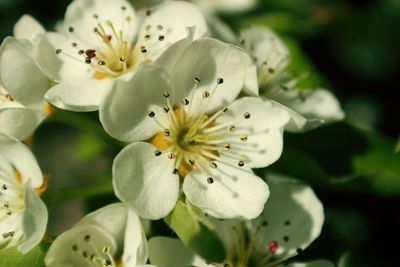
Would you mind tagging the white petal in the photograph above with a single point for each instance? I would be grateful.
(314, 104)
(219, 28)
(62, 253)
(234, 191)
(22, 159)
(167, 24)
(227, 6)
(111, 218)
(20, 75)
(34, 219)
(124, 110)
(135, 245)
(268, 51)
(145, 182)
(67, 65)
(79, 95)
(317, 263)
(210, 61)
(79, 20)
(166, 252)
(28, 28)
(263, 129)
(19, 122)
(293, 217)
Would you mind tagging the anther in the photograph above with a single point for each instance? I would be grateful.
(106, 249)
(166, 94)
(85, 254)
(88, 61)
(74, 44)
(90, 53)
(167, 132)
(161, 38)
(71, 29)
(175, 171)
(75, 247)
(191, 162)
(220, 80)
(123, 7)
(242, 42)
(148, 12)
(81, 52)
(157, 153)
(87, 238)
(166, 109)
(196, 80)
(95, 16)
(224, 109)
(210, 180)
(151, 114)
(107, 262)
(147, 37)
(246, 115)
(241, 163)
(143, 49)
(227, 146)
(148, 27)
(171, 155)
(271, 70)
(4, 187)
(213, 165)
(232, 128)
(243, 137)
(185, 101)
(101, 62)
(159, 27)
(58, 51)
(206, 94)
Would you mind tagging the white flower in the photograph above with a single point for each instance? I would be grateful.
(291, 220)
(226, 6)
(192, 134)
(308, 107)
(23, 215)
(111, 236)
(22, 83)
(106, 41)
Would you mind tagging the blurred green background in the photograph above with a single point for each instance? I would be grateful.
(350, 46)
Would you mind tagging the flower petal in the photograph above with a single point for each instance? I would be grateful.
(124, 110)
(19, 73)
(28, 28)
(80, 20)
(227, 191)
(75, 247)
(221, 68)
(66, 65)
(317, 105)
(135, 245)
(79, 95)
(292, 218)
(258, 138)
(165, 252)
(167, 24)
(19, 122)
(22, 159)
(227, 6)
(34, 219)
(111, 218)
(145, 182)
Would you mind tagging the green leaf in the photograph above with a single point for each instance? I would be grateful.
(185, 221)
(13, 258)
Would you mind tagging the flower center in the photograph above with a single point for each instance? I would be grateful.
(192, 138)
(11, 203)
(114, 55)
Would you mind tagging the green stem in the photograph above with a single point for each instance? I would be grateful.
(56, 197)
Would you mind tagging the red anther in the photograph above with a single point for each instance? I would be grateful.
(109, 37)
(273, 246)
(90, 53)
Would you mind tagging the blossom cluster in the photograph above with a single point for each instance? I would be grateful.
(198, 114)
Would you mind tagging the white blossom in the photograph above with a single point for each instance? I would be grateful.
(188, 132)
(291, 220)
(23, 215)
(22, 83)
(105, 41)
(308, 107)
(109, 237)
